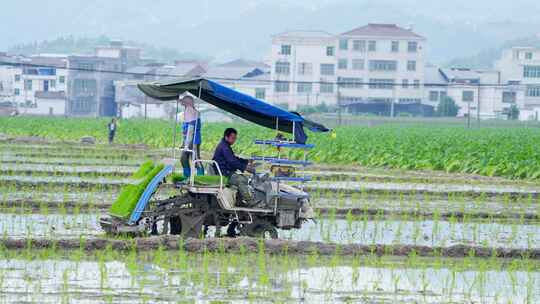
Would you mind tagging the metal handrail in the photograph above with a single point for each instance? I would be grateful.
(202, 161)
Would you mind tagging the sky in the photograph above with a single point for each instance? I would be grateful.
(242, 28)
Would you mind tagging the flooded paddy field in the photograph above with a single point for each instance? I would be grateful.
(365, 246)
(436, 233)
(52, 276)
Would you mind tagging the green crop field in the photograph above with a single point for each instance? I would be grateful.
(504, 151)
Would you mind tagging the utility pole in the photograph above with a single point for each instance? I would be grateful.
(339, 103)
(478, 104)
(145, 106)
(468, 114)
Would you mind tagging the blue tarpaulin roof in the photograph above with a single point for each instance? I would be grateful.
(232, 101)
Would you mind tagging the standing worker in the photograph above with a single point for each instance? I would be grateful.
(191, 131)
(112, 130)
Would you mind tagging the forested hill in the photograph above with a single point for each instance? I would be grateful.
(485, 59)
(86, 45)
(242, 28)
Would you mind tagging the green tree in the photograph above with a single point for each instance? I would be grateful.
(513, 112)
(447, 107)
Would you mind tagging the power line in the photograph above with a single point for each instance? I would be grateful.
(342, 84)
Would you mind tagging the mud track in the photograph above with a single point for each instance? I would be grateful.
(227, 245)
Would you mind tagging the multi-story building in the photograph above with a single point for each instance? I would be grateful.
(520, 68)
(91, 79)
(303, 68)
(376, 64)
(380, 64)
(23, 79)
(39, 74)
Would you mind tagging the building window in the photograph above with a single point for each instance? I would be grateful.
(433, 96)
(405, 83)
(395, 46)
(17, 92)
(411, 65)
(385, 84)
(283, 68)
(260, 93)
(28, 85)
(416, 84)
(343, 44)
(529, 55)
(305, 68)
(350, 82)
(62, 79)
(509, 97)
(342, 64)
(442, 95)
(358, 64)
(409, 100)
(531, 71)
(372, 46)
(304, 87)
(533, 91)
(327, 69)
(359, 45)
(285, 49)
(382, 65)
(86, 66)
(52, 83)
(412, 46)
(17, 77)
(330, 51)
(281, 86)
(327, 87)
(85, 85)
(467, 96)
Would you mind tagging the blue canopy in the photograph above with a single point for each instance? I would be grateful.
(232, 101)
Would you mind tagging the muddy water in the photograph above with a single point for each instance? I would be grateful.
(34, 180)
(423, 233)
(68, 161)
(423, 187)
(248, 279)
(466, 206)
(62, 169)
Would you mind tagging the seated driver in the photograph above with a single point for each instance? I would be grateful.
(230, 164)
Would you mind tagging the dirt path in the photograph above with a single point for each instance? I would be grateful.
(270, 246)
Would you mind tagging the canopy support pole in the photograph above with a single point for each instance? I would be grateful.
(194, 151)
(175, 127)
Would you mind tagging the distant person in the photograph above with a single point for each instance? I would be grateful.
(191, 133)
(112, 130)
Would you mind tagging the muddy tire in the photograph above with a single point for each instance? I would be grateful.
(262, 229)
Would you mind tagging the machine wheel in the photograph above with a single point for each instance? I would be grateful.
(262, 229)
(176, 225)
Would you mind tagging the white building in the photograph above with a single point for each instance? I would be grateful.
(24, 78)
(520, 68)
(380, 63)
(47, 103)
(373, 64)
(303, 68)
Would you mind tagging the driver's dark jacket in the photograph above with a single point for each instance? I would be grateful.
(227, 161)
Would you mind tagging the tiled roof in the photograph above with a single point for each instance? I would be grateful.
(50, 95)
(459, 74)
(379, 29)
(434, 76)
(305, 34)
(233, 72)
(245, 63)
